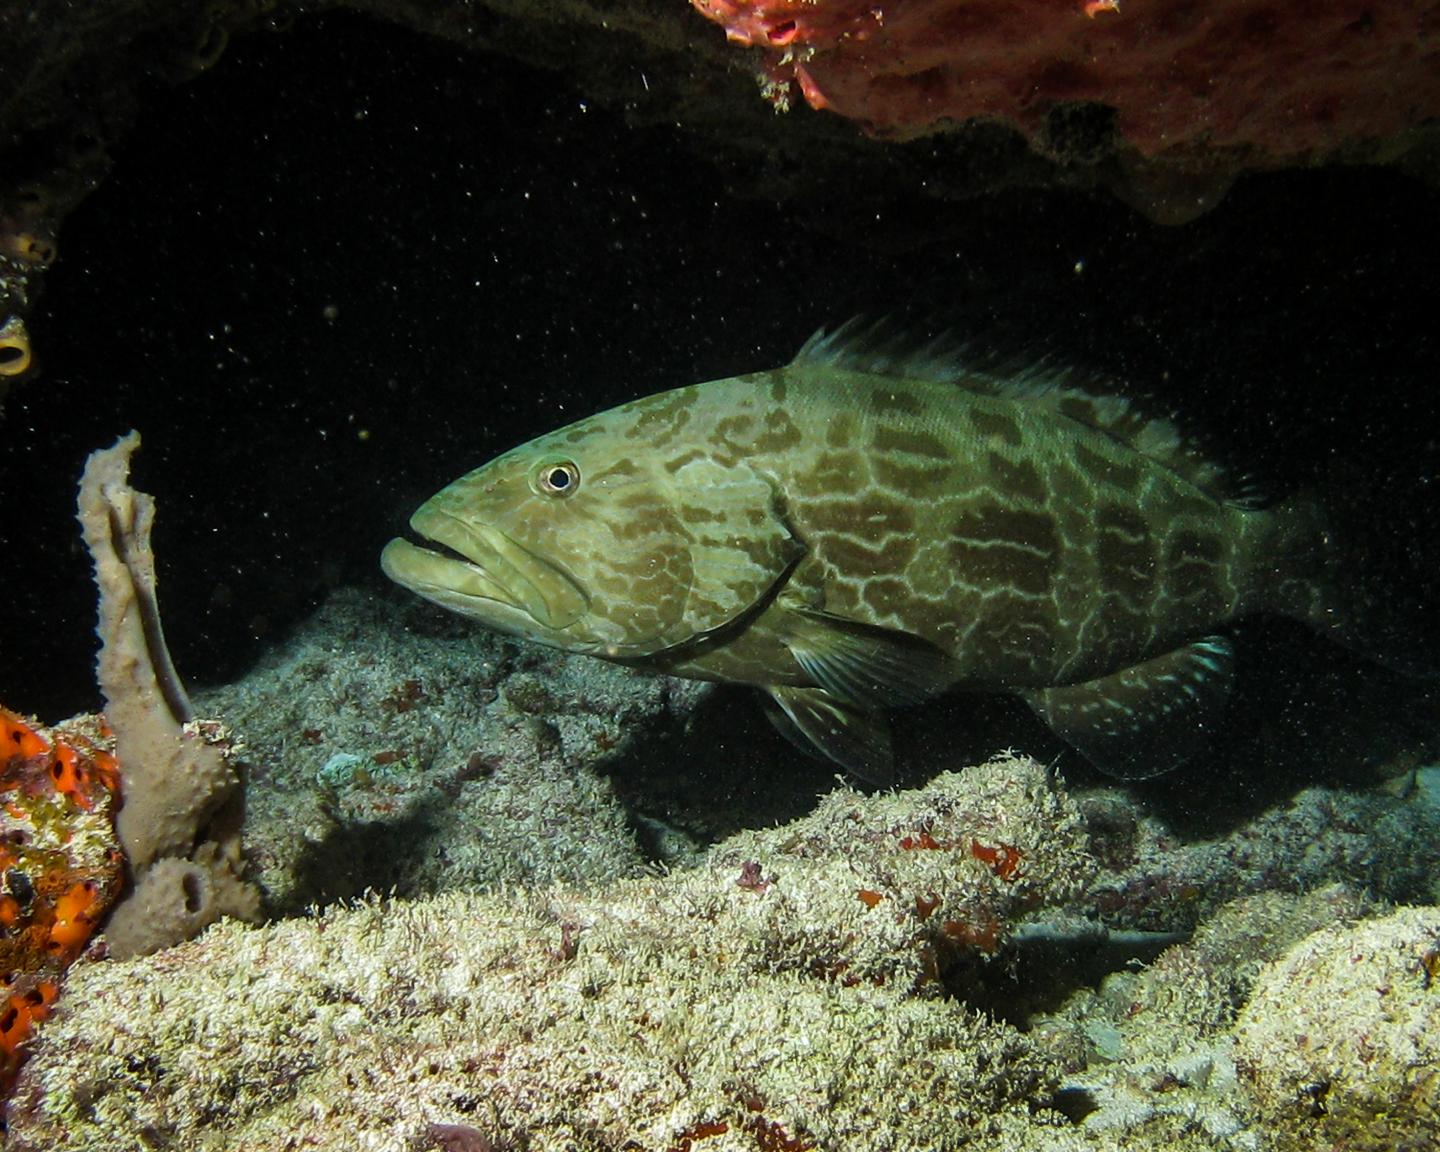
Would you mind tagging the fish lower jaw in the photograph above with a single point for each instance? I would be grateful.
(434, 573)
(454, 583)
(477, 560)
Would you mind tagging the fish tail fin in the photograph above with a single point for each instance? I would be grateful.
(1336, 569)
(1302, 574)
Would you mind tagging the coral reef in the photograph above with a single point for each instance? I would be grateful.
(1340, 1042)
(1151, 1050)
(182, 797)
(764, 999)
(807, 986)
(395, 747)
(921, 970)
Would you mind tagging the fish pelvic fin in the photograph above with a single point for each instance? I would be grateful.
(823, 725)
(1147, 719)
(860, 671)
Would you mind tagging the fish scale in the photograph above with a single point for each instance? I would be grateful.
(876, 523)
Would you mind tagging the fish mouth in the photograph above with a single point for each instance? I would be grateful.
(478, 571)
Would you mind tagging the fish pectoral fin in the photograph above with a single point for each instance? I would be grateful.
(1146, 719)
(869, 667)
(818, 723)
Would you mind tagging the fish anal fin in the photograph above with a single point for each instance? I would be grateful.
(1145, 719)
(870, 667)
(818, 723)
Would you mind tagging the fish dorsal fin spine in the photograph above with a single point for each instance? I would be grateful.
(880, 348)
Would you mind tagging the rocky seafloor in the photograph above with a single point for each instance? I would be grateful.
(524, 901)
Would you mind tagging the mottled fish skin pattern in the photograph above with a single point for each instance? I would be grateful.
(877, 522)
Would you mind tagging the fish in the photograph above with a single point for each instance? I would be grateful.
(883, 520)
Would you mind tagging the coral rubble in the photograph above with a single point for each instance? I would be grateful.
(794, 991)
(400, 749)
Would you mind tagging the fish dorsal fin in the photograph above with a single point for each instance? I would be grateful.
(879, 348)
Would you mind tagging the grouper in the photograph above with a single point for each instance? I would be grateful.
(878, 522)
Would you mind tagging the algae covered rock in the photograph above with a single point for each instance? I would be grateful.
(780, 996)
(1340, 1042)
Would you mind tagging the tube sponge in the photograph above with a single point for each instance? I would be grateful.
(15, 355)
(181, 793)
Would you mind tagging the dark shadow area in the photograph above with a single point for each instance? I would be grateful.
(1037, 973)
(1303, 713)
(352, 859)
(724, 771)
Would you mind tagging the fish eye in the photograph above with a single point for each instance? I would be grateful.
(557, 478)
